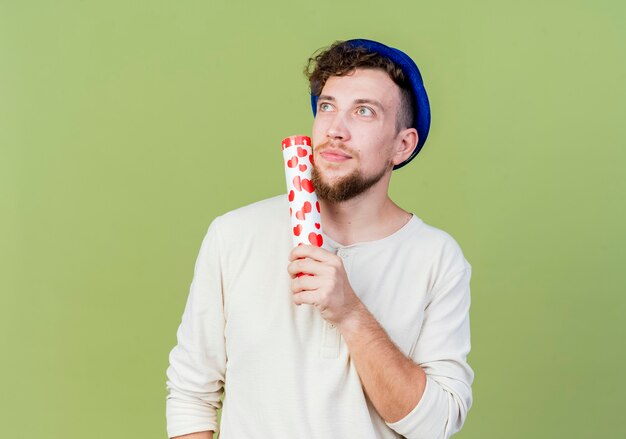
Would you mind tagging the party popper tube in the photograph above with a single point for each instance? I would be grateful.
(304, 208)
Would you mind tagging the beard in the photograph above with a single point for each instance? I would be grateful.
(344, 188)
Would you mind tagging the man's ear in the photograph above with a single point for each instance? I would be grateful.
(407, 141)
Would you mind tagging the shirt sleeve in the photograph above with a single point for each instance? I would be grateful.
(195, 376)
(441, 350)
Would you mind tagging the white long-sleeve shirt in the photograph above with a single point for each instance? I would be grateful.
(286, 373)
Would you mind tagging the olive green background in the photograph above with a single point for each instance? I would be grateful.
(127, 126)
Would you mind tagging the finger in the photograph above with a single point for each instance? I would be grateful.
(308, 266)
(305, 297)
(305, 283)
(312, 252)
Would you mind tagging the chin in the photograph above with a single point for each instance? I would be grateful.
(345, 187)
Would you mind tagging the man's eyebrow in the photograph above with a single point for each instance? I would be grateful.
(374, 102)
(371, 102)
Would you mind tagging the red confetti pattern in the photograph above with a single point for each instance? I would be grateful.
(305, 220)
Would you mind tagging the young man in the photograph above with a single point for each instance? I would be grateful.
(374, 343)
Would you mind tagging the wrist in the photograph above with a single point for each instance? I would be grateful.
(355, 320)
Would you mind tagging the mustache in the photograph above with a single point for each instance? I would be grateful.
(333, 144)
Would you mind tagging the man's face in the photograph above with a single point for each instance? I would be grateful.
(354, 133)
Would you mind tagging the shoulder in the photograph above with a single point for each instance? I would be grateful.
(262, 217)
(438, 250)
(440, 241)
(262, 210)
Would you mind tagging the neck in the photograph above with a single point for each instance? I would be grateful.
(369, 216)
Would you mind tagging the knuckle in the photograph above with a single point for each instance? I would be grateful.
(295, 285)
(325, 297)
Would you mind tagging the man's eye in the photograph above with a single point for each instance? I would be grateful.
(365, 111)
(324, 106)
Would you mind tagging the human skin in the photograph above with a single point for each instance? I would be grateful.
(355, 129)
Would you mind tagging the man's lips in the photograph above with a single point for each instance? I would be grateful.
(335, 155)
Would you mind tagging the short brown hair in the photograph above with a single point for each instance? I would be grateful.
(342, 58)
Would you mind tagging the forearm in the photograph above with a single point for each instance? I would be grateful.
(199, 435)
(393, 383)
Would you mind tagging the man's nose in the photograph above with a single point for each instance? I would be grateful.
(338, 128)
